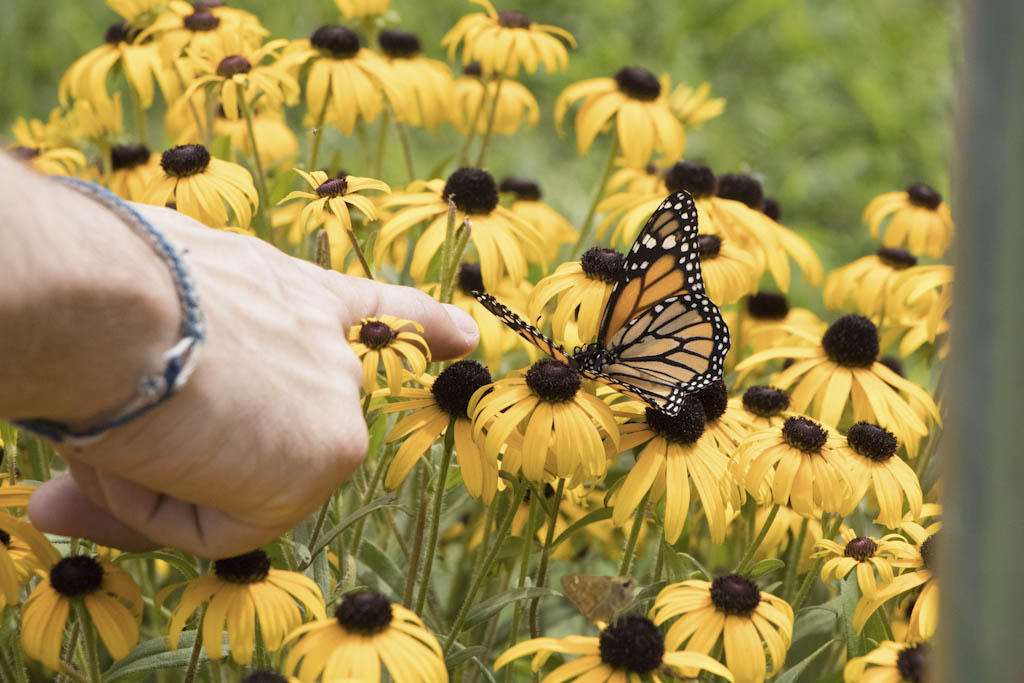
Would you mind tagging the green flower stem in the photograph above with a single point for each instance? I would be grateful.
(471, 133)
(479, 574)
(364, 144)
(197, 647)
(435, 517)
(446, 251)
(71, 647)
(6, 669)
(371, 490)
(659, 562)
(793, 561)
(9, 435)
(318, 135)
(140, 116)
(417, 539)
(805, 587)
(545, 555)
(359, 254)
(262, 225)
(524, 564)
(382, 142)
(748, 557)
(634, 534)
(403, 138)
(318, 527)
(613, 150)
(69, 671)
(491, 118)
(91, 651)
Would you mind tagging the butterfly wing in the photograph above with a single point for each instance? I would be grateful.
(663, 262)
(523, 328)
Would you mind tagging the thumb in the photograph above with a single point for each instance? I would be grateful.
(448, 330)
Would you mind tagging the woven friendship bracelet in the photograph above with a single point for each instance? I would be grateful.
(180, 359)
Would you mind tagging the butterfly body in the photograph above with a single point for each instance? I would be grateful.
(599, 598)
(660, 337)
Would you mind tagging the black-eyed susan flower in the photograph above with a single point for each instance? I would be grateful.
(240, 592)
(918, 219)
(877, 467)
(923, 560)
(644, 123)
(18, 547)
(731, 608)
(869, 282)
(367, 631)
(501, 238)
(106, 592)
(649, 180)
(730, 273)
(890, 662)
(723, 424)
(346, 81)
(629, 650)
(203, 187)
(769, 319)
(355, 9)
(132, 169)
(386, 341)
(582, 289)
(434, 409)
(677, 456)
(334, 195)
(561, 425)
(277, 143)
(923, 296)
(58, 161)
(871, 557)
(269, 676)
(512, 103)
(201, 27)
(527, 204)
(843, 369)
(803, 465)
(428, 83)
(136, 11)
(505, 41)
(761, 407)
(786, 530)
(694, 106)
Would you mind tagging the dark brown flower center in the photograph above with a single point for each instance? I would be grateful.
(201, 21)
(185, 160)
(912, 662)
(76, 575)
(872, 441)
(772, 208)
(893, 363)
(632, 643)
(765, 401)
(264, 676)
(252, 567)
(399, 44)
(117, 33)
(472, 189)
(714, 398)
(208, 4)
(470, 278)
(897, 259)
(553, 380)
(513, 20)
(127, 157)
(521, 187)
(924, 196)
(24, 153)
(709, 246)
(456, 384)
(233, 65)
(602, 263)
(473, 69)
(5, 538)
(376, 334)
(767, 306)
(332, 187)
(686, 176)
(638, 83)
(364, 612)
(685, 428)
(742, 188)
(851, 341)
(861, 549)
(735, 595)
(804, 434)
(928, 553)
(340, 41)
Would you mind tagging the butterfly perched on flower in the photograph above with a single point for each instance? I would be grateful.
(661, 338)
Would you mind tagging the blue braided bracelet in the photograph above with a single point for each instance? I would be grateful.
(180, 359)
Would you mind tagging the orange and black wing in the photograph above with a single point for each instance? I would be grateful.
(664, 262)
(676, 347)
(523, 328)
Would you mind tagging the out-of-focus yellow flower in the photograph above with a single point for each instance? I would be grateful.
(354, 9)
(202, 26)
(514, 102)
(636, 99)
(428, 82)
(277, 143)
(730, 273)
(694, 106)
(387, 341)
(918, 219)
(870, 282)
(135, 11)
(890, 661)
(132, 169)
(59, 161)
(527, 204)
(505, 41)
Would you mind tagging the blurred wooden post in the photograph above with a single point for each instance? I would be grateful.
(982, 564)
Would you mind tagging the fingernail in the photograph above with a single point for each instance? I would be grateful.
(463, 321)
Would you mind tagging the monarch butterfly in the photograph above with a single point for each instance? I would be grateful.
(660, 337)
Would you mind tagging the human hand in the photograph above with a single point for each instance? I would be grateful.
(270, 423)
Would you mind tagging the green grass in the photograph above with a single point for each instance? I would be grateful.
(828, 103)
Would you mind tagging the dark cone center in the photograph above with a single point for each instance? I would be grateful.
(264, 676)
(185, 160)
(513, 20)
(742, 188)
(455, 386)
(201, 21)
(522, 188)
(117, 33)
(912, 662)
(5, 538)
(872, 441)
(333, 187)
(928, 553)
(734, 594)
(861, 549)
(364, 612)
(397, 43)
(638, 83)
(632, 643)
(602, 263)
(233, 65)
(376, 334)
(76, 575)
(472, 189)
(252, 567)
(470, 278)
(714, 398)
(924, 196)
(553, 381)
(804, 434)
(897, 259)
(772, 209)
(685, 428)
(127, 157)
(686, 176)
(852, 341)
(893, 363)
(765, 401)
(340, 41)
(709, 246)
(473, 69)
(767, 306)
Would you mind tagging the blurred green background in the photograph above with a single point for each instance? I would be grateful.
(829, 103)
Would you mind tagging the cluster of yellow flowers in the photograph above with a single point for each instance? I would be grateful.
(814, 433)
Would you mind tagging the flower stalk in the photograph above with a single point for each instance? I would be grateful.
(545, 555)
(261, 224)
(613, 151)
(435, 518)
(748, 557)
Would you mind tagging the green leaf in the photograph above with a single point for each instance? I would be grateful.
(438, 170)
(153, 655)
(279, 187)
(766, 566)
(598, 515)
(792, 674)
(512, 547)
(488, 608)
(382, 566)
(849, 594)
(328, 536)
(464, 655)
(179, 561)
(817, 620)
(703, 570)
